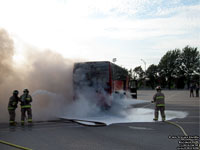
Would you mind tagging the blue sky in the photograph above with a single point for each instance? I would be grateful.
(96, 30)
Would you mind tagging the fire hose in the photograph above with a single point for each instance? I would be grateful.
(185, 134)
(175, 124)
(14, 145)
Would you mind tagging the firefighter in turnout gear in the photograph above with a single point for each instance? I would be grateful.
(159, 100)
(26, 100)
(12, 105)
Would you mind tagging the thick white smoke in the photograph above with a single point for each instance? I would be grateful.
(46, 74)
(123, 110)
(49, 105)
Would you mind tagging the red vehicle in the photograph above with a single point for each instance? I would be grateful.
(101, 78)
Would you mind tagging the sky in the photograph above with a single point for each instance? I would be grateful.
(100, 30)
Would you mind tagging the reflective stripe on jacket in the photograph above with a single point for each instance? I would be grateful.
(26, 106)
(159, 99)
(25, 101)
(11, 108)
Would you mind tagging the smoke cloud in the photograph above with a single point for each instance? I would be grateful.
(46, 74)
(6, 53)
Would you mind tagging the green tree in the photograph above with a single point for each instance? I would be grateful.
(190, 64)
(152, 75)
(168, 66)
(138, 74)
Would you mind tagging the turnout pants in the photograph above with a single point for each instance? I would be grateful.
(162, 111)
(12, 115)
(23, 115)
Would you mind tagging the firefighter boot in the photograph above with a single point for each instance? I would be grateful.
(13, 123)
(22, 123)
(155, 119)
(30, 123)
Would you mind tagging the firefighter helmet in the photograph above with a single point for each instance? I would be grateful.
(26, 90)
(158, 88)
(15, 92)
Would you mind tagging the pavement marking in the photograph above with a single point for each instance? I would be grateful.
(140, 128)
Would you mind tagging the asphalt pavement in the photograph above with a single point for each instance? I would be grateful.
(67, 135)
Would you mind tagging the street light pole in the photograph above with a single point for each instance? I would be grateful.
(144, 65)
(144, 71)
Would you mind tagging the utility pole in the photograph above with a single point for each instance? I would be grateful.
(114, 60)
(144, 65)
(144, 71)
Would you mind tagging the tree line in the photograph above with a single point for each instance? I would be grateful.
(177, 69)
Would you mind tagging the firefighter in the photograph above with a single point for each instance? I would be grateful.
(159, 100)
(26, 100)
(12, 105)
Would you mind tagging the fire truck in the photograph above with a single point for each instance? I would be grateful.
(103, 79)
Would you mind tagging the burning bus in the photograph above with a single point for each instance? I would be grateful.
(101, 79)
